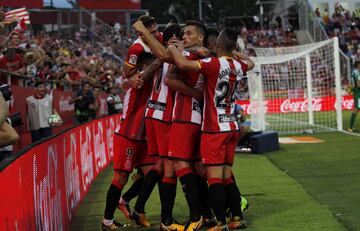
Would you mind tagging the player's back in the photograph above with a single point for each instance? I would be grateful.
(221, 80)
(161, 100)
(133, 117)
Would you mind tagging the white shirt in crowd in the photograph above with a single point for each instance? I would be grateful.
(38, 111)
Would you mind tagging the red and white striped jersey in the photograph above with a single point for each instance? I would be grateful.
(133, 117)
(135, 50)
(161, 100)
(187, 108)
(221, 79)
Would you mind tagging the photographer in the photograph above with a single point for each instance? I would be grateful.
(114, 103)
(39, 109)
(8, 135)
(85, 108)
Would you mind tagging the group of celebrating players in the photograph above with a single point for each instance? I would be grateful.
(178, 122)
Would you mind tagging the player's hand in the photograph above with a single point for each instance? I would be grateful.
(136, 81)
(199, 96)
(174, 41)
(139, 26)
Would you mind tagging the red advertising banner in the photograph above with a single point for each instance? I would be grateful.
(326, 103)
(23, 3)
(41, 189)
(111, 4)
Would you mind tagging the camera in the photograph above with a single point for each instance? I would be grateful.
(6, 92)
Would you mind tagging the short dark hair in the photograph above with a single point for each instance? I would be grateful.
(209, 33)
(200, 27)
(86, 82)
(147, 20)
(39, 82)
(357, 63)
(227, 39)
(170, 30)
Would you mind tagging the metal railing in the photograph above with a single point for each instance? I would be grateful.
(308, 21)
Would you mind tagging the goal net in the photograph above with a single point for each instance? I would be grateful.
(296, 89)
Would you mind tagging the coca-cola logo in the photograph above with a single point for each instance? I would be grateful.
(300, 106)
(86, 154)
(47, 193)
(346, 103)
(71, 174)
(99, 146)
(253, 108)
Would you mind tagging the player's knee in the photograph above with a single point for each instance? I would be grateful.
(179, 164)
(215, 172)
(227, 172)
(121, 177)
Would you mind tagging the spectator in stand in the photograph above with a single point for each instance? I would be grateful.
(39, 109)
(14, 65)
(114, 103)
(97, 107)
(84, 104)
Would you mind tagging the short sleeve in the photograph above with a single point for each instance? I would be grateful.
(244, 65)
(207, 65)
(133, 54)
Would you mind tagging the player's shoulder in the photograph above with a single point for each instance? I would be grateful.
(140, 46)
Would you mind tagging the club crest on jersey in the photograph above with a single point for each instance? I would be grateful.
(185, 53)
(133, 59)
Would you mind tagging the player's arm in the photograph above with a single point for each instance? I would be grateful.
(3, 110)
(134, 81)
(242, 56)
(174, 83)
(149, 71)
(181, 62)
(129, 70)
(8, 135)
(156, 47)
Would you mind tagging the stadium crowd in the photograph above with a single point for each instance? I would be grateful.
(345, 26)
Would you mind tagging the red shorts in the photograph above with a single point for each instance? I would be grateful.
(184, 141)
(219, 148)
(157, 134)
(130, 153)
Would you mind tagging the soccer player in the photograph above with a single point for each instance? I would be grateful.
(185, 130)
(158, 122)
(130, 147)
(210, 42)
(219, 127)
(355, 77)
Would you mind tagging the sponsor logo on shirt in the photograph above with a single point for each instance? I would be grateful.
(196, 107)
(156, 105)
(225, 118)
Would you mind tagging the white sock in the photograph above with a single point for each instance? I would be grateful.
(122, 201)
(108, 222)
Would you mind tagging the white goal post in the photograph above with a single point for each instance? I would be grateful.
(296, 89)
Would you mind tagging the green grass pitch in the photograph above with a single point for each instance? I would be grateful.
(311, 187)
